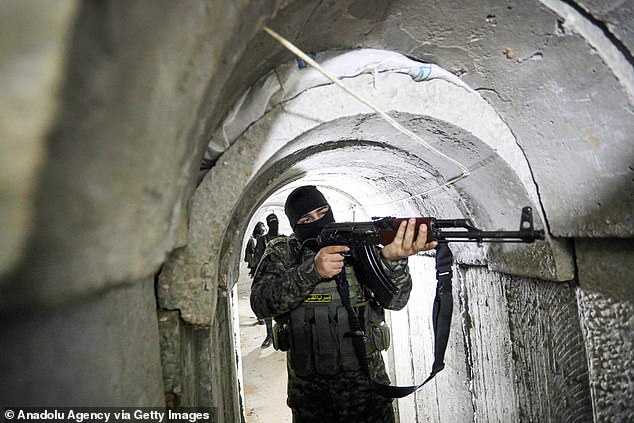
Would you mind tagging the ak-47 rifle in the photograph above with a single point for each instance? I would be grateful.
(382, 230)
(362, 237)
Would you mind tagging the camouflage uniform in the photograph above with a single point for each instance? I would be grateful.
(325, 381)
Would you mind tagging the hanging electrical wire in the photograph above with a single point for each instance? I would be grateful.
(307, 59)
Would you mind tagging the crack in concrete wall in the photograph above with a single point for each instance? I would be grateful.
(616, 55)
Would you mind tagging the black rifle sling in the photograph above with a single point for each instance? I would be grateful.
(356, 328)
(441, 319)
(443, 306)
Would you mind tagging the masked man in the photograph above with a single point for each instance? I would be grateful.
(262, 241)
(296, 283)
(251, 257)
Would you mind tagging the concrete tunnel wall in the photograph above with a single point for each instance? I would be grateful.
(120, 101)
(339, 165)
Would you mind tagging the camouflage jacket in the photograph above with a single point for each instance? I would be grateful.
(283, 279)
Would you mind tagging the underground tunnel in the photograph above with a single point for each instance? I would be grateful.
(140, 144)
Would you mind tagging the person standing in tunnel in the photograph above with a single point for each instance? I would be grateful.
(250, 251)
(252, 256)
(273, 223)
(297, 284)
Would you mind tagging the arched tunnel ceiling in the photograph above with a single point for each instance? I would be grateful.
(563, 104)
(543, 80)
(167, 91)
(384, 171)
(296, 136)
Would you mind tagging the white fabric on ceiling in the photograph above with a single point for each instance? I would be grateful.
(291, 79)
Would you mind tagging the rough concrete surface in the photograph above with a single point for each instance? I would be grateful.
(103, 353)
(199, 363)
(106, 108)
(525, 349)
(550, 87)
(608, 328)
(125, 144)
(605, 265)
(615, 16)
(606, 301)
(592, 155)
(548, 350)
(34, 40)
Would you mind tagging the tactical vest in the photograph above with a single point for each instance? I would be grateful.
(316, 331)
(316, 340)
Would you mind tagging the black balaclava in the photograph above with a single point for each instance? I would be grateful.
(259, 229)
(304, 200)
(274, 225)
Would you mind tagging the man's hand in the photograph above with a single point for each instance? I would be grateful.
(329, 261)
(404, 244)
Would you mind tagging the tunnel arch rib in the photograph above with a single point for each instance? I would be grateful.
(450, 113)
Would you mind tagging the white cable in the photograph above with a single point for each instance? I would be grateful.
(290, 46)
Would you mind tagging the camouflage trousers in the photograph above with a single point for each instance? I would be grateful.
(345, 397)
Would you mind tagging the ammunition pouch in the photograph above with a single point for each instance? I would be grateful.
(281, 337)
(380, 335)
(319, 332)
(318, 342)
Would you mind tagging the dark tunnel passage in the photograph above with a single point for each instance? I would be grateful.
(140, 143)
